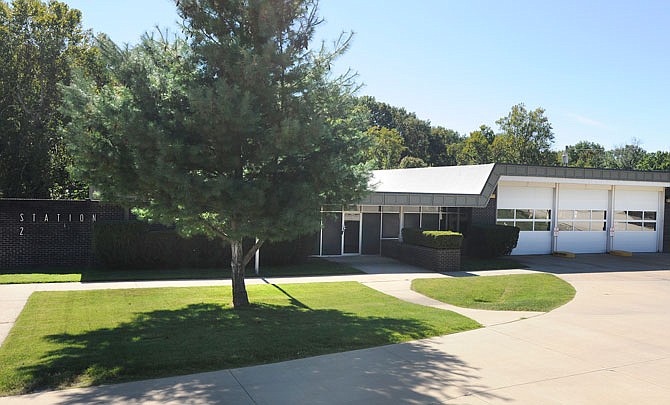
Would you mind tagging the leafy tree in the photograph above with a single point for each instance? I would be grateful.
(414, 131)
(626, 157)
(438, 146)
(475, 149)
(487, 132)
(381, 114)
(503, 149)
(39, 43)
(386, 149)
(240, 133)
(659, 160)
(525, 138)
(585, 154)
(409, 162)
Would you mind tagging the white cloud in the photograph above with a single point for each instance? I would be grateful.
(588, 121)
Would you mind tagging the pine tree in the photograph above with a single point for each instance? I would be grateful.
(236, 132)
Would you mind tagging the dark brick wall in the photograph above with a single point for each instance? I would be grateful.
(666, 223)
(486, 215)
(433, 259)
(37, 233)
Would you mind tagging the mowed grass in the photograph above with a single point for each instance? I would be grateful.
(517, 292)
(312, 267)
(80, 338)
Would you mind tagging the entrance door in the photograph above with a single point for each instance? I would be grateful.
(371, 233)
(352, 231)
(331, 235)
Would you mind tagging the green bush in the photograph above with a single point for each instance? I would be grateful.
(287, 252)
(432, 239)
(487, 241)
(135, 244)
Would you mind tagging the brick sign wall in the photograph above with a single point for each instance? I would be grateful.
(36, 233)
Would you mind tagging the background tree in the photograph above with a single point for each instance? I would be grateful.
(414, 131)
(387, 146)
(39, 44)
(585, 154)
(626, 157)
(659, 160)
(525, 138)
(241, 133)
(409, 162)
(475, 149)
(438, 146)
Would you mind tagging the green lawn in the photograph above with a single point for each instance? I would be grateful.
(312, 267)
(80, 338)
(474, 264)
(518, 292)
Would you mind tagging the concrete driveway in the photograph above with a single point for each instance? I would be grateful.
(610, 345)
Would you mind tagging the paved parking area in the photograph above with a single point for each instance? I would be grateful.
(610, 345)
(597, 263)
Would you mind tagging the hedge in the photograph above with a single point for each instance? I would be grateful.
(135, 244)
(487, 241)
(432, 239)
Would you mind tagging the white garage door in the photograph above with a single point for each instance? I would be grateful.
(582, 220)
(635, 217)
(529, 208)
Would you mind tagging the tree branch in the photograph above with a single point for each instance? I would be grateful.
(252, 252)
(219, 232)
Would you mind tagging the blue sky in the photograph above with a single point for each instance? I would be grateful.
(599, 68)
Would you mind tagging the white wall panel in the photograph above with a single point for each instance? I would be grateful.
(582, 199)
(525, 197)
(533, 243)
(635, 200)
(582, 242)
(635, 241)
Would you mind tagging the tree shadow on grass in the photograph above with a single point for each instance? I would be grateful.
(204, 337)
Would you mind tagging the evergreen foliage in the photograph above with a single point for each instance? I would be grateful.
(237, 132)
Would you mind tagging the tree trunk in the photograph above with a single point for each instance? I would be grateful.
(240, 298)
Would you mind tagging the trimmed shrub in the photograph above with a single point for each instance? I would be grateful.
(432, 239)
(287, 252)
(487, 241)
(135, 245)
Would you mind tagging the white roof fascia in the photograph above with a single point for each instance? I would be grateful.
(584, 181)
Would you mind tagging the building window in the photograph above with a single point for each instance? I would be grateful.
(412, 220)
(454, 219)
(526, 219)
(582, 220)
(390, 226)
(635, 221)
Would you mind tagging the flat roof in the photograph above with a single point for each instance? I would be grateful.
(435, 180)
(472, 185)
